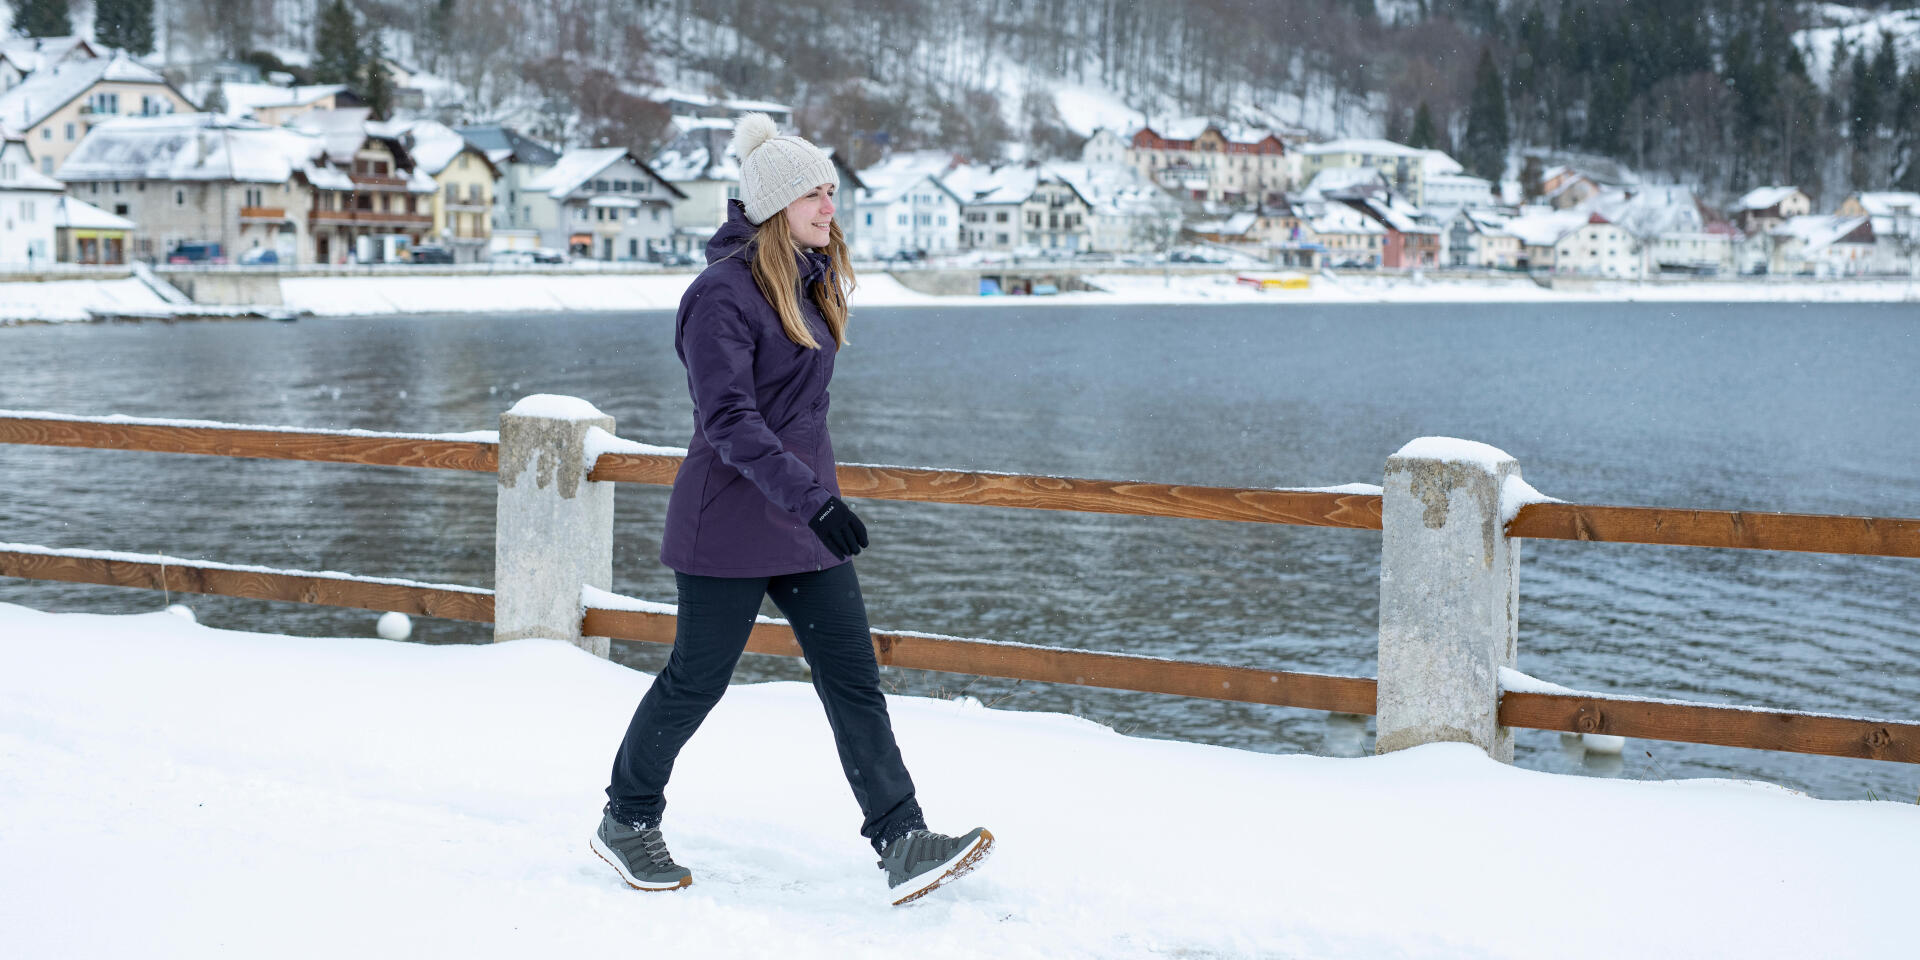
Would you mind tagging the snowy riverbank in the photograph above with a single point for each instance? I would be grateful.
(82, 300)
(257, 795)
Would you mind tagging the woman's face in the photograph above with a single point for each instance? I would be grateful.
(810, 218)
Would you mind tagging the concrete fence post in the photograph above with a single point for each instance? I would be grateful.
(1449, 596)
(554, 531)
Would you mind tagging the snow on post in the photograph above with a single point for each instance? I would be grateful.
(1449, 596)
(554, 534)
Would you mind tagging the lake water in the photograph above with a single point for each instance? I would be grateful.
(1756, 407)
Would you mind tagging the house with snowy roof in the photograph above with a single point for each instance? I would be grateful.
(27, 201)
(696, 161)
(1349, 238)
(369, 193)
(520, 160)
(603, 203)
(462, 206)
(1404, 167)
(1207, 161)
(1126, 212)
(1895, 219)
(1601, 248)
(271, 103)
(86, 234)
(1412, 238)
(1477, 237)
(202, 178)
(905, 206)
(1823, 245)
(1539, 231)
(20, 57)
(1763, 208)
(1019, 206)
(56, 105)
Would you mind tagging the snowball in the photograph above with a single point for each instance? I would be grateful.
(394, 625)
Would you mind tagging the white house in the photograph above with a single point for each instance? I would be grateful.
(1822, 245)
(1895, 219)
(604, 204)
(1478, 238)
(1599, 247)
(27, 203)
(1017, 206)
(1126, 211)
(907, 208)
(1540, 232)
(1104, 147)
(1763, 208)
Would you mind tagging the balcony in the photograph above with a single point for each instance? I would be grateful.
(369, 218)
(263, 214)
(378, 182)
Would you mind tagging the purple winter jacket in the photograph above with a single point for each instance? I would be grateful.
(760, 462)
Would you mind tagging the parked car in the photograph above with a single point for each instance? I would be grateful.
(515, 257)
(196, 253)
(260, 256)
(669, 258)
(544, 255)
(427, 253)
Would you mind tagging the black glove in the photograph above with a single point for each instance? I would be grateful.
(839, 529)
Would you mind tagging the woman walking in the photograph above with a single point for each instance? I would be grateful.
(755, 512)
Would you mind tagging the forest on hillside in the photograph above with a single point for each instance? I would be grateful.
(1710, 92)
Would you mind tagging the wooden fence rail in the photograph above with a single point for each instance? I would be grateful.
(1344, 508)
(1732, 529)
(1777, 730)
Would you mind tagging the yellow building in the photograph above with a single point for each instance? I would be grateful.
(1403, 167)
(56, 105)
(463, 204)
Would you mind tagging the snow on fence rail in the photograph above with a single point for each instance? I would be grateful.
(1420, 696)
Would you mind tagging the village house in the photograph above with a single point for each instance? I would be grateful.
(520, 160)
(462, 206)
(906, 208)
(603, 203)
(1105, 147)
(1540, 230)
(1019, 206)
(1205, 161)
(201, 178)
(21, 57)
(1352, 240)
(697, 162)
(1479, 238)
(1895, 220)
(1403, 167)
(86, 234)
(1126, 212)
(273, 104)
(370, 200)
(1563, 187)
(56, 105)
(1599, 247)
(1763, 208)
(27, 205)
(1285, 231)
(1822, 245)
(1412, 237)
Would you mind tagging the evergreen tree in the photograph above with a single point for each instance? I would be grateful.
(1422, 135)
(1863, 121)
(440, 29)
(41, 18)
(337, 57)
(127, 24)
(1485, 149)
(377, 85)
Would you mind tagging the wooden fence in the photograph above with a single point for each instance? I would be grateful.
(1571, 712)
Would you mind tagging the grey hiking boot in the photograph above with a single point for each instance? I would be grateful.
(640, 854)
(923, 860)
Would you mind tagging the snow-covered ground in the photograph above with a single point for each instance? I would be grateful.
(71, 300)
(172, 790)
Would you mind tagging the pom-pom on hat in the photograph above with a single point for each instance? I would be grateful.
(776, 170)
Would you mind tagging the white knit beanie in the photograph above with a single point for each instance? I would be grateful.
(776, 170)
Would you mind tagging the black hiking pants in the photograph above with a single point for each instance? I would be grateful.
(829, 618)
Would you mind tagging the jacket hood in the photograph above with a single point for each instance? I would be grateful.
(735, 237)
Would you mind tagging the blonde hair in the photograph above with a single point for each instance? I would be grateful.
(778, 276)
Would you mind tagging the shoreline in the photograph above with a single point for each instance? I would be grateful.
(123, 300)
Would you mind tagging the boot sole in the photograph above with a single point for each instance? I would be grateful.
(599, 850)
(961, 865)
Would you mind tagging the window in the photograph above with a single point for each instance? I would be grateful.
(93, 188)
(869, 219)
(105, 103)
(120, 209)
(633, 249)
(69, 131)
(600, 185)
(46, 133)
(656, 214)
(943, 220)
(179, 198)
(465, 161)
(903, 220)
